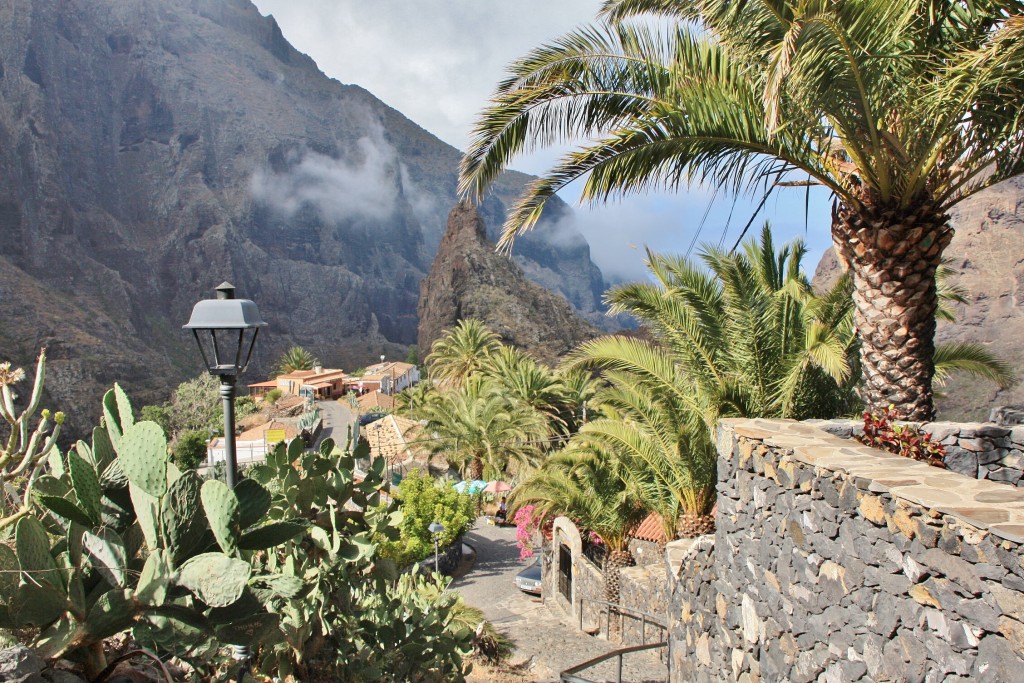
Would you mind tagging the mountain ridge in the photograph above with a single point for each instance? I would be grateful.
(150, 150)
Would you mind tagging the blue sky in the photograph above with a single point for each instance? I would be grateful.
(437, 61)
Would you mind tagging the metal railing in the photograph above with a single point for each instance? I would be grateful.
(569, 675)
(644, 618)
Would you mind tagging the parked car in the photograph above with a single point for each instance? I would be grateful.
(370, 417)
(528, 580)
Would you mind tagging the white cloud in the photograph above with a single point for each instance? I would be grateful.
(364, 185)
(437, 61)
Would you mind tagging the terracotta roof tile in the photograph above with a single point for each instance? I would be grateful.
(650, 529)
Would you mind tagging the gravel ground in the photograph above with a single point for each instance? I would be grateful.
(546, 641)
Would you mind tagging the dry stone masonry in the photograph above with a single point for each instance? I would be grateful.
(836, 562)
(975, 449)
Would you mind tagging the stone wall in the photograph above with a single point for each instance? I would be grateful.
(976, 449)
(836, 562)
(646, 552)
(643, 589)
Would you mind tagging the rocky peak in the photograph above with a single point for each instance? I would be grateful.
(469, 280)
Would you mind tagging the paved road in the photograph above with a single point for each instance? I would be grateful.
(337, 418)
(542, 634)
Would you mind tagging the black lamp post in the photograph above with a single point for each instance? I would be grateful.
(436, 528)
(225, 329)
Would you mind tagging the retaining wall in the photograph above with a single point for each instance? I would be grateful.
(981, 450)
(836, 562)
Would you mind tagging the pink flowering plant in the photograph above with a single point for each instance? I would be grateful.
(526, 527)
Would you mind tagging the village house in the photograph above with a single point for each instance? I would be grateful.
(389, 378)
(251, 446)
(318, 383)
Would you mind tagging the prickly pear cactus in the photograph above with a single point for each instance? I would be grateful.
(86, 485)
(221, 506)
(215, 578)
(142, 452)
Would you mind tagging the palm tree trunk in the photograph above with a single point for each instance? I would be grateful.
(476, 468)
(616, 560)
(893, 255)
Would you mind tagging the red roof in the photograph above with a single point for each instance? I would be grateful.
(650, 529)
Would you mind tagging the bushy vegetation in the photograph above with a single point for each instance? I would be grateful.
(755, 97)
(113, 538)
(195, 409)
(424, 500)
(295, 358)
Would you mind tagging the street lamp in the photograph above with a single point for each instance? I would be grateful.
(436, 528)
(225, 329)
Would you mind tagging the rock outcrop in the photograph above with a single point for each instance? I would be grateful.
(469, 280)
(154, 148)
(987, 254)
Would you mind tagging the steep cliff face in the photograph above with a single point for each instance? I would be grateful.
(151, 149)
(469, 280)
(987, 254)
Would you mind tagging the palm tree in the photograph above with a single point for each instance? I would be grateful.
(900, 109)
(295, 358)
(461, 351)
(526, 380)
(480, 430)
(745, 331)
(585, 484)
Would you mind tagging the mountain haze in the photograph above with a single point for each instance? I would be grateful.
(151, 149)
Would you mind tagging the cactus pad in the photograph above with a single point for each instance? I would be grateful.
(9, 567)
(111, 614)
(184, 524)
(33, 548)
(86, 485)
(253, 502)
(255, 629)
(221, 505)
(282, 585)
(147, 509)
(215, 578)
(108, 555)
(156, 575)
(66, 509)
(143, 457)
(102, 448)
(37, 604)
(270, 535)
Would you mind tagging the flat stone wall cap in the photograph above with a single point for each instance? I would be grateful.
(1010, 532)
(752, 432)
(927, 496)
(981, 517)
(1007, 496)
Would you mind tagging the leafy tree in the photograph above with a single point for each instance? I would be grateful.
(482, 431)
(413, 356)
(899, 109)
(528, 381)
(412, 402)
(461, 351)
(295, 358)
(423, 500)
(189, 451)
(585, 483)
(158, 414)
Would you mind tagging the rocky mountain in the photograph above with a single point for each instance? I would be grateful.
(987, 254)
(151, 149)
(469, 280)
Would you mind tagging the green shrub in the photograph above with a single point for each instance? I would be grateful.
(273, 395)
(424, 500)
(190, 450)
(120, 541)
